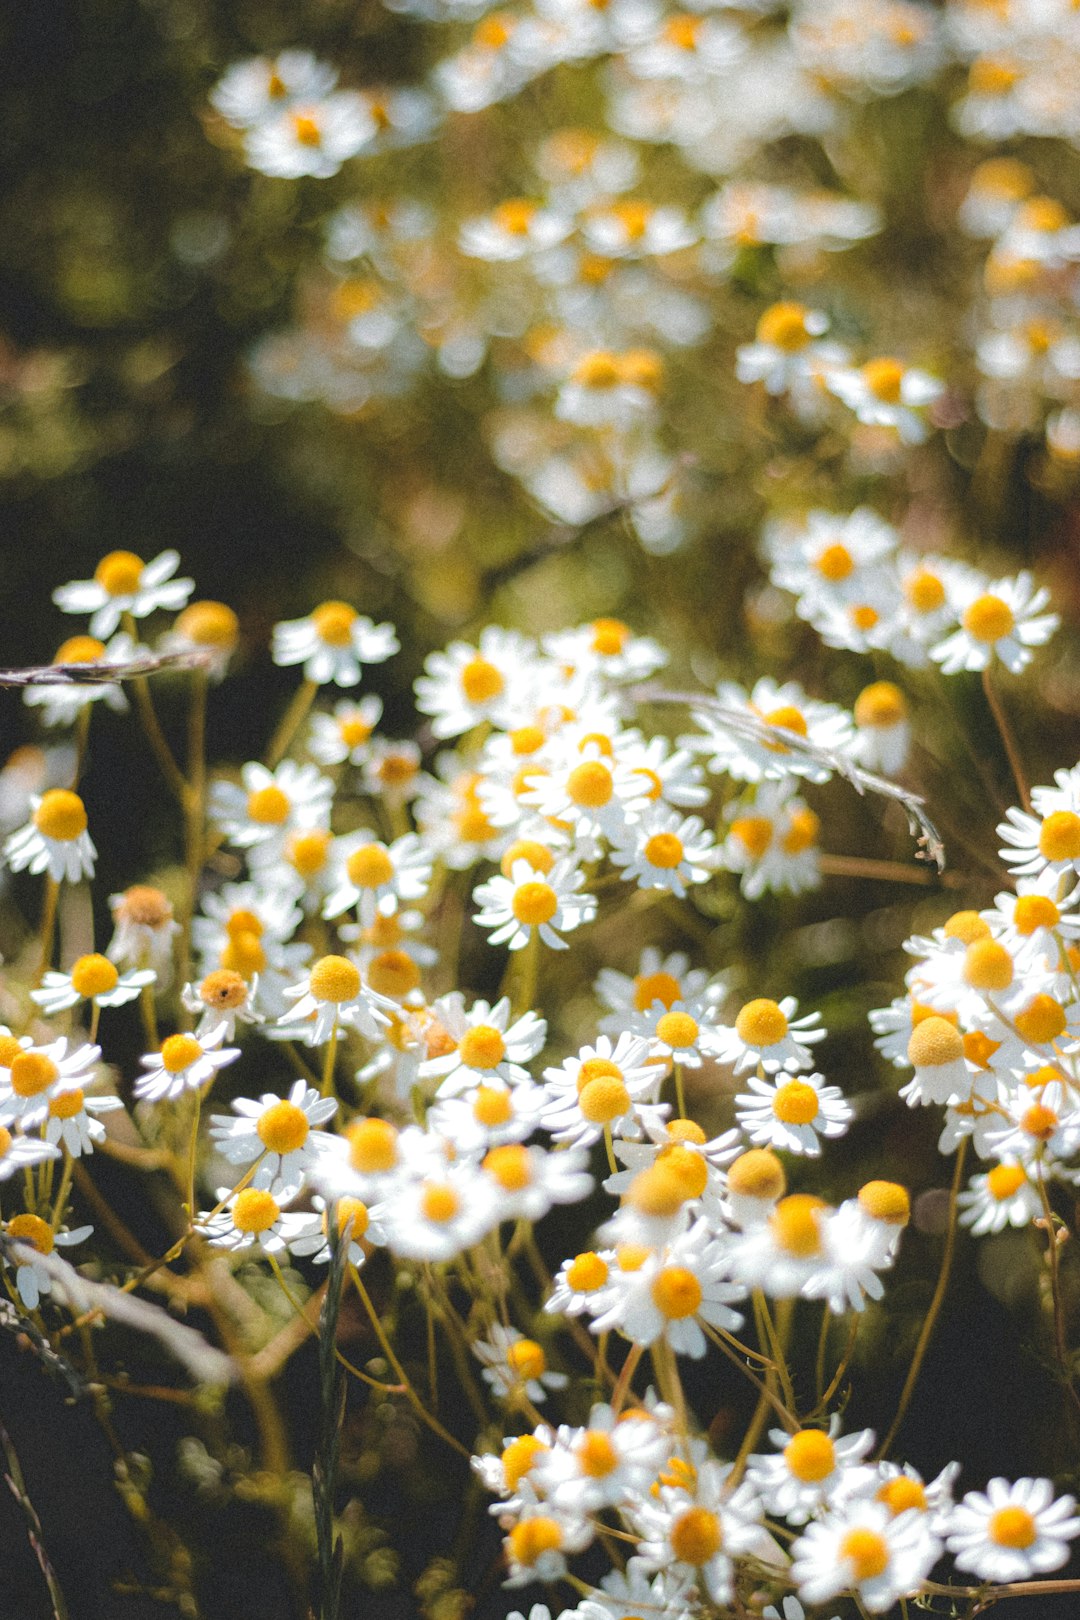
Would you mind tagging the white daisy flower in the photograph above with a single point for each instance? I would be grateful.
(333, 643)
(36, 1237)
(677, 1034)
(609, 389)
(1012, 1532)
(279, 1131)
(603, 1086)
(143, 930)
(602, 1464)
(536, 1547)
(92, 978)
(346, 733)
(864, 1549)
(783, 344)
(32, 1076)
(266, 805)
(249, 92)
(1001, 620)
(63, 703)
(1038, 918)
(512, 907)
(772, 842)
(223, 999)
(580, 1282)
(465, 685)
(20, 1152)
(252, 1218)
(530, 1180)
(208, 628)
(882, 728)
(697, 1536)
(123, 583)
(311, 137)
(363, 1225)
(376, 877)
(630, 228)
(55, 839)
(514, 1365)
(670, 775)
(747, 758)
(1002, 1196)
(663, 850)
(486, 1048)
(659, 978)
(767, 1033)
(437, 1215)
(886, 393)
(182, 1064)
(486, 1116)
(1049, 839)
(679, 1286)
(332, 994)
(807, 1468)
(71, 1123)
(513, 230)
(606, 647)
(792, 1112)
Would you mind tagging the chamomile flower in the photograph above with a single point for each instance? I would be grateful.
(807, 1469)
(346, 733)
(439, 1209)
(580, 1283)
(513, 1365)
(747, 756)
(123, 583)
(530, 1180)
(279, 1131)
(680, 1033)
(603, 1086)
(55, 839)
(486, 1048)
(513, 230)
(376, 877)
(487, 1116)
(772, 842)
(267, 805)
(783, 344)
(333, 643)
(792, 1112)
(886, 393)
(1038, 919)
(1012, 1532)
(863, 1548)
(181, 1064)
(329, 996)
(882, 728)
(72, 1123)
(679, 1286)
(210, 629)
(536, 1547)
(63, 703)
(363, 1225)
(663, 850)
(144, 929)
(20, 1152)
(252, 1217)
(1003, 620)
(466, 685)
(1000, 1197)
(315, 137)
(602, 1464)
(223, 999)
(32, 1076)
(1049, 839)
(552, 904)
(36, 1238)
(696, 1536)
(767, 1033)
(663, 979)
(250, 91)
(92, 978)
(608, 648)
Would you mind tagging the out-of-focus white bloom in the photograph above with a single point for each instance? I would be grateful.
(123, 583)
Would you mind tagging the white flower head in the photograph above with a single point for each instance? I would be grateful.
(123, 583)
(551, 904)
(1012, 1532)
(333, 643)
(181, 1064)
(92, 978)
(1002, 620)
(55, 839)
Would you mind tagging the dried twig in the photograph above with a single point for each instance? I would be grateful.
(13, 1478)
(101, 673)
(331, 1418)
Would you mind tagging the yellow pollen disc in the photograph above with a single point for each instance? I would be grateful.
(283, 1127)
(494, 31)
(254, 1210)
(94, 975)
(1012, 1527)
(835, 563)
(492, 1106)
(1059, 836)
(514, 216)
(761, 1023)
(352, 1216)
(634, 216)
(119, 573)
(590, 785)
(518, 1457)
(372, 1145)
(656, 1192)
(988, 619)
(933, 1043)
(641, 368)
(79, 650)
(530, 1539)
(67, 1104)
(393, 974)
(335, 978)
(510, 1166)
(384, 933)
(481, 681)
(979, 1048)
(795, 1224)
(881, 704)
(527, 1359)
(686, 1130)
(803, 829)
(1004, 1181)
(866, 1552)
(609, 637)
(886, 1201)
(783, 326)
(61, 816)
(223, 988)
(810, 1455)
(676, 1472)
(306, 851)
(1041, 1021)
(687, 1168)
(334, 622)
(754, 833)
(676, 1293)
(33, 1230)
(32, 1073)
(599, 369)
(682, 32)
(538, 856)
(696, 1537)
(439, 1202)
(6, 1140)
(527, 740)
(632, 1256)
(9, 1049)
(655, 787)
(354, 730)
(269, 806)
(967, 926)
(924, 591)
(790, 719)
(901, 1493)
(209, 624)
(145, 906)
(884, 379)
(863, 616)
(179, 1052)
(600, 741)
(596, 1454)
(1039, 1121)
(650, 987)
(663, 850)
(1034, 911)
(677, 1030)
(243, 954)
(988, 966)
(534, 903)
(757, 1173)
(586, 1273)
(396, 770)
(795, 1103)
(370, 866)
(306, 129)
(242, 921)
(482, 1047)
(471, 823)
(601, 1101)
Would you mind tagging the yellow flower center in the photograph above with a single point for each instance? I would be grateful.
(493, 32)
(1012, 1527)
(796, 1224)
(603, 1100)
(598, 369)
(979, 1048)
(32, 1073)
(481, 681)
(988, 619)
(491, 1106)
(352, 1217)
(1059, 836)
(1004, 1181)
(33, 1230)
(676, 1293)
(79, 650)
(269, 806)
(94, 975)
(677, 1030)
(61, 816)
(223, 989)
(6, 1140)
(482, 1047)
(757, 1173)
(531, 1538)
(243, 954)
(334, 622)
(179, 1052)
(991, 76)
(881, 704)
(1042, 1020)
(439, 1202)
(537, 855)
(754, 833)
(283, 1127)
(596, 1454)
(650, 987)
(988, 966)
(514, 216)
(924, 591)
(306, 129)
(526, 1358)
(761, 1023)
(783, 326)
(795, 1103)
(934, 1042)
(510, 1166)
(586, 1273)
(688, 1169)
(518, 1457)
(119, 573)
(802, 831)
(306, 851)
(886, 1201)
(810, 1455)
(866, 1552)
(372, 1145)
(254, 1210)
(590, 785)
(209, 624)
(609, 637)
(335, 978)
(534, 903)
(393, 974)
(370, 866)
(663, 850)
(682, 32)
(901, 1493)
(353, 730)
(696, 1537)
(884, 379)
(67, 1104)
(790, 719)
(632, 1256)
(145, 906)
(1034, 911)
(967, 926)
(656, 1192)
(686, 1130)
(835, 563)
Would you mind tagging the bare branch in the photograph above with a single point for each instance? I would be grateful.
(101, 673)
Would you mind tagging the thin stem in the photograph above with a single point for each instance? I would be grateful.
(858, 866)
(48, 926)
(290, 723)
(935, 1304)
(680, 1096)
(82, 734)
(1008, 738)
(326, 1086)
(610, 1151)
(62, 1192)
(528, 974)
(1053, 1261)
(194, 809)
(192, 1157)
(622, 1386)
(154, 734)
(403, 1378)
